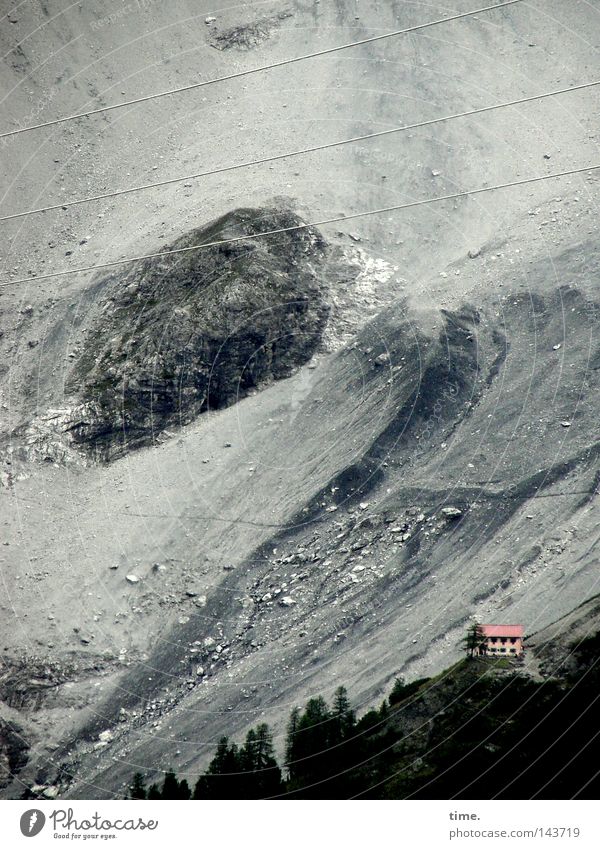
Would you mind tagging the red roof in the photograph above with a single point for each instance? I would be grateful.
(502, 630)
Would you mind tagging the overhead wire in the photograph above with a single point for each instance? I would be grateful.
(336, 220)
(236, 75)
(64, 205)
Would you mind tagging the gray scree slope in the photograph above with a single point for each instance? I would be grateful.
(301, 537)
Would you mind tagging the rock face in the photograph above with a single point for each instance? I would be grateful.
(178, 335)
(247, 36)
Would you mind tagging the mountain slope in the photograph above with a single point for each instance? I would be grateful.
(298, 538)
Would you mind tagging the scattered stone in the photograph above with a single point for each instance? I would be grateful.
(474, 253)
(287, 601)
(556, 347)
(251, 35)
(210, 20)
(451, 512)
(132, 579)
(565, 424)
(51, 792)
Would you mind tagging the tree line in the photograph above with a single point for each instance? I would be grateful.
(465, 730)
(323, 743)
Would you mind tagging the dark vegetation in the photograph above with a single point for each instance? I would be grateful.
(481, 729)
(13, 751)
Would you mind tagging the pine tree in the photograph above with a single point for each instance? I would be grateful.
(184, 790)
(223, 779)
(170, 788)
(263, 742)
(201, 790)
(311, 761)
(474, 640)
(137, 789)
(343, 718)
(248, 758)
(154, 792)
(262, 777)
(291, 743)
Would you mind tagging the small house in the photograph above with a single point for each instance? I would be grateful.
(501, 639)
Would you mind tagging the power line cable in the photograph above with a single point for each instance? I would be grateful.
(269, 67)
(264, 160)
(323, 222)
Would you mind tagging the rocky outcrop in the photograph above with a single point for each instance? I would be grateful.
(195, 330)
(246, 36)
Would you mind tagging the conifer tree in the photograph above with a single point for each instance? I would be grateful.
(291, 743)
(311, 743)
(222, 779)
(248, 759)
(343, 718)
(170, 788)
(137, 789)
(262, 774)
(474, 640)
(184, 790)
